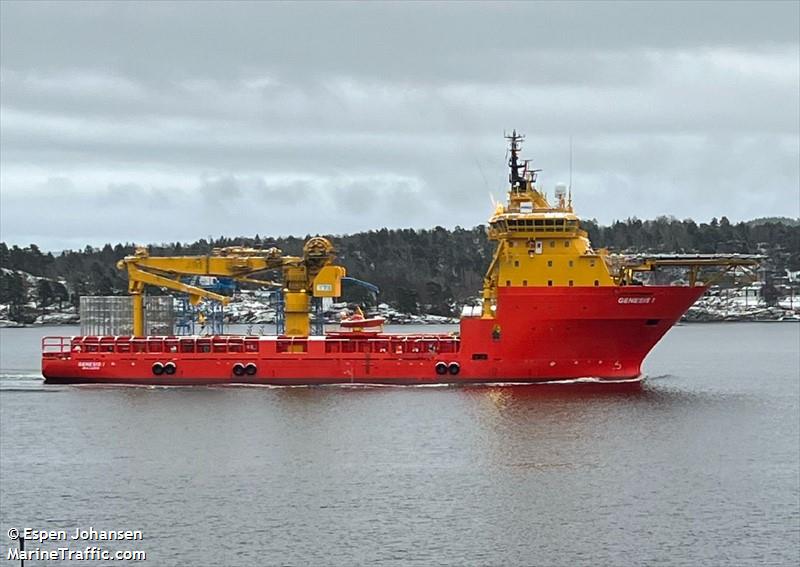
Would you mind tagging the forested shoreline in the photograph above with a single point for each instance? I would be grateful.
(429, 269)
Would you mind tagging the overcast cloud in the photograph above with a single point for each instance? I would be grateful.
(152, 122)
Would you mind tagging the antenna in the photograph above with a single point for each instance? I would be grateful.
(485, 181)
(570, 162)
(569, 194)
(516, 179)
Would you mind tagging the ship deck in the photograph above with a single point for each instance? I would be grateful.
(332, 343)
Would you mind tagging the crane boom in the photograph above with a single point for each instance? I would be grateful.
(312, 275)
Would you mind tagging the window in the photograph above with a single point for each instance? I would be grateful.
(550, 283)
(549, 263)
(525, 283)
(508, 283)
(570, 263)
(596, 283)
(552, 244)
(566, 244)
(570, 283)
(516, 263)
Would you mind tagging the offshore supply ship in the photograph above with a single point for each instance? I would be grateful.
(551, 309)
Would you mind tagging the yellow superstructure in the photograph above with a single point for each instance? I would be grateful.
(542, 245)
(312, 275)
(539, 244)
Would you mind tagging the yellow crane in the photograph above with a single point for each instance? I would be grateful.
(312, 275)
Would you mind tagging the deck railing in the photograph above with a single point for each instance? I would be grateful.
(385, 344)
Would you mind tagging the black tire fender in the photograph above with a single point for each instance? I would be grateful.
(169, 368)
(158, 368)
(250, 369)
(238, 369)
(441, 368)
(454, 368)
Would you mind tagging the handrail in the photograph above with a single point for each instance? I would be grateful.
(56, 345)
(65, 345)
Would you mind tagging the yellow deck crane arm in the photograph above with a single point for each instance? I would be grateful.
(312, 275)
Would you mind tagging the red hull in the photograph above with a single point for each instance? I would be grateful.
(538, 335)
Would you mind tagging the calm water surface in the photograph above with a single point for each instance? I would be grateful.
(699, 467)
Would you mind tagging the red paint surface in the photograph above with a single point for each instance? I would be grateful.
(538, 335)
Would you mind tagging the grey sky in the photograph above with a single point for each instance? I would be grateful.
(154, 122)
